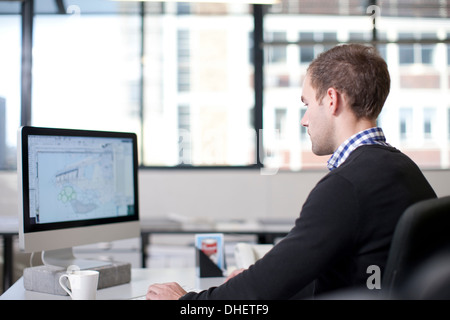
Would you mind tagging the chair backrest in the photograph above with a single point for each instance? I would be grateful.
(421, 232)
(431, 280)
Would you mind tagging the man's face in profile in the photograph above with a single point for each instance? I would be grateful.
(317, 120)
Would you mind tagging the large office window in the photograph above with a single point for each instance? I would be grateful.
(198, 86)
(186, 76)
(177, 74)
(417, 60)
(86, 71)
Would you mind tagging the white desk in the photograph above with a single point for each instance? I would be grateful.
(140, 280)
(266, 231)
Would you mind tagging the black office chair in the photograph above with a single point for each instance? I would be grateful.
(431, 280)
(422, 234)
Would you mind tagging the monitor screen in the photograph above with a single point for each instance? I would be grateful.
(76, 183)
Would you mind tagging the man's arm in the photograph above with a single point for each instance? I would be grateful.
(323, 232)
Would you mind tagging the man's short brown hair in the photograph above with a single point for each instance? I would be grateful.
(358, 72)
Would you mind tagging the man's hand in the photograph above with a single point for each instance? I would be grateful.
(165, 291)
(234, 274)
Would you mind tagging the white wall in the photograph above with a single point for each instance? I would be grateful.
(222, 194)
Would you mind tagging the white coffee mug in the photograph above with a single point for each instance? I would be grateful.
(83, 284)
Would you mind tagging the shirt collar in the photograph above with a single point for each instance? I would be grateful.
(370, 136)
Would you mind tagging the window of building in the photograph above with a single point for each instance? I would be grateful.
(280, 121)
(406, 51)
(429, 120)
(276, 54)
(416, 52)
(406, 123)
(183, 60)
(307, 53)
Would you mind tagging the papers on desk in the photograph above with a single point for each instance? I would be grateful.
(177, 222)
(237, 225)
(192, 223)
(260, 225)
(160, 223)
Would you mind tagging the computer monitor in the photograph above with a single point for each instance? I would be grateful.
(75, 187)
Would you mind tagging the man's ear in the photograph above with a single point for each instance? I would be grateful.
(333, 100)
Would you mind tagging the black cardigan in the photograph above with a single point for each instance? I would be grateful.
(345, 226)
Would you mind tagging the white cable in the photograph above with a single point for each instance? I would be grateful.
(31, 259)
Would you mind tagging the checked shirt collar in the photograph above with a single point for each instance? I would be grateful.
(367, 137)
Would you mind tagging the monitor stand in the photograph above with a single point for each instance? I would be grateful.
(65, 258)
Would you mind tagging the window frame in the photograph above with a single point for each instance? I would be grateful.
(256, 59)
(27, 14)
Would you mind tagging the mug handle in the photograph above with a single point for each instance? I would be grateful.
(63, 285)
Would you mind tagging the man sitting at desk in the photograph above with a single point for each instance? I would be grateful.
(348, 219)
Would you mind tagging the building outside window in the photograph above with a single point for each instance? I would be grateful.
(418, 66)
(429, 122)
(406, 123)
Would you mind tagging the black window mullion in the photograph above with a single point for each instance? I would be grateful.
(258, 59)
(27, 47)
